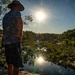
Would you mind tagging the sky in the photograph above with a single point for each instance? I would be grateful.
(60, 15)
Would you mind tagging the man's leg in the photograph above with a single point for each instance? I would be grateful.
(10, 69)
(16, 71)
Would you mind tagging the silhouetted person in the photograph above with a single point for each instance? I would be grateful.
(12, 37)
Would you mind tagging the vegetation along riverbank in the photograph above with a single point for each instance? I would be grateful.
(60, 48)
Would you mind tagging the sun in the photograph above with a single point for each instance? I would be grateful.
(40, 15)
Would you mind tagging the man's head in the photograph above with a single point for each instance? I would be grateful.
(16, 5)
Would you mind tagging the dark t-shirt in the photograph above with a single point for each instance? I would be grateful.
(12, 30)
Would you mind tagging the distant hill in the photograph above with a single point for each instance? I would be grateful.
(41, 36)
(67, 37)
(29, 36)
(69, 34)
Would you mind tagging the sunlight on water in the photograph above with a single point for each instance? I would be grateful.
(39, 60)
(49, 68)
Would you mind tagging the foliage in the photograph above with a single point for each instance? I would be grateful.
(60, 48)
(27, 19)
(6, 1)
(2, 8)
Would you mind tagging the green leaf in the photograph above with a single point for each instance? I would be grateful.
(6, 1)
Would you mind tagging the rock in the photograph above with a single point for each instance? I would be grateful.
(26, 73)
(1, 73)
(22, 72)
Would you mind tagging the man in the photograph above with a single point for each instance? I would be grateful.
(12, 36)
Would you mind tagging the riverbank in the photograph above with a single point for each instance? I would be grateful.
(67, 65)
(22, 72)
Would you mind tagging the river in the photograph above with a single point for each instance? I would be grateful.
(49, 68)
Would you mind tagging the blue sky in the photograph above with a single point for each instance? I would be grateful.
(60, 15)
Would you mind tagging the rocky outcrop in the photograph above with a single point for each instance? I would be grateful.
(22, 72)
(26, 73)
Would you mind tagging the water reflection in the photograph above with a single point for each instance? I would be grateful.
(39, 60)
(49, 68)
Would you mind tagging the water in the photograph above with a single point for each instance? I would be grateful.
(48, 68)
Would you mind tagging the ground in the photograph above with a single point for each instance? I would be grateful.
(21, 73)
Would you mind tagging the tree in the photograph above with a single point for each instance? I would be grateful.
(3, 9)
(4, 2)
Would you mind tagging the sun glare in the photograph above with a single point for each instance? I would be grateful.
(40, 60)
(40, 15)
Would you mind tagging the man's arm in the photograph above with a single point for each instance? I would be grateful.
(19, 27)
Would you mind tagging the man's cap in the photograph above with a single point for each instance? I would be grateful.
(15, 2)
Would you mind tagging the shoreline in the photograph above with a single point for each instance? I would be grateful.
(21, 72)
(67, 65)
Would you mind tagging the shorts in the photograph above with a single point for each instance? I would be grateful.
(13, 55)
